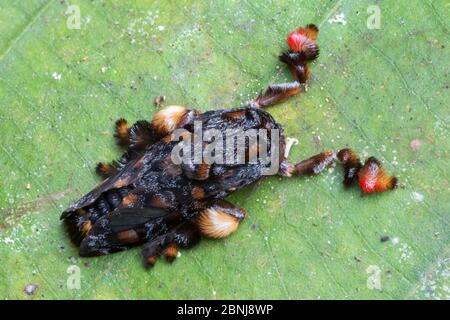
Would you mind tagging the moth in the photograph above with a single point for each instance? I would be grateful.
(147, 198)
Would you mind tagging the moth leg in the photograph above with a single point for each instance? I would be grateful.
(106, 170)
(185, 235)
(303, 50)
(310, 166)
(122, 137)
(371, 176)
(276, 93)
(303, 41)
(122, 133)
(351, 164)
(171, 252)
(220, 219)
(297, 64)
(134, 139)
(141, 136)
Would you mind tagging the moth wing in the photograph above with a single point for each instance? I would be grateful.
(127, 218)
(128, 175)
(124, 228)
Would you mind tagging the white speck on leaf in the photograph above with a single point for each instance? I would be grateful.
(434, 284)
(416, 196)
(56, 76)
(8, 240)
(338, 18)
(405, 252)
(30, 289)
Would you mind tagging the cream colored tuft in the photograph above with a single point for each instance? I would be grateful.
(214, 223)
(168, 119)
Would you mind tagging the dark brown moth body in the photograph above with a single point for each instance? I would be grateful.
(151, 194)
(148, 199)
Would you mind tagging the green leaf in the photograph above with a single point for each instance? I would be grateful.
(383, 92)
